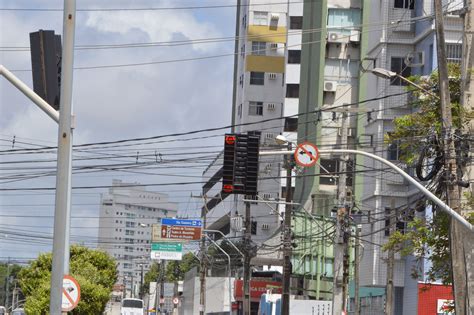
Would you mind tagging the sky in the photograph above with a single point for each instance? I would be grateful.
(125, 101)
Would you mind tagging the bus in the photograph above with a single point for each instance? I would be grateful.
(132, 307)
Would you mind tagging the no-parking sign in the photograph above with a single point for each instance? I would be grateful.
(71, 293)
(306, 154)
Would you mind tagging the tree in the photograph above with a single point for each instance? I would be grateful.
(95, 271)
(428, 237)
(175, 270)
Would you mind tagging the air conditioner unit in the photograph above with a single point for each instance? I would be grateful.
(355, 36)
(333, 37)
(271, 106)
(330, 86)
(272, 76)
(265, 226)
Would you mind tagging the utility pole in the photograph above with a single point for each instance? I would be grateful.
(203, 265)
(287, 247)
(457, 235)
(389, 307)
(341, 243)
(7, 284)
(467, 101)
(356, 270)
(141, 282)
(162, 285)
(247, 240)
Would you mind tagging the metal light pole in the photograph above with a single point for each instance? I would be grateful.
(60, 265)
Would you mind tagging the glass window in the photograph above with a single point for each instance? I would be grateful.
(328, 171)
(343, 20)
(260, 18)
(293, 90)
(294, 56)
(398, 65)
(257, 78)
(258, 48)
(404, 4)
(291, 124)
(256, 108)
(296, 22)
(341, 70)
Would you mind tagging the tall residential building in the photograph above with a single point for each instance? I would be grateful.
(127, 213)
(342, 41)
(266, 89)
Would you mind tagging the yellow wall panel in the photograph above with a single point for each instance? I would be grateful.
(265, 64)
(262, 33)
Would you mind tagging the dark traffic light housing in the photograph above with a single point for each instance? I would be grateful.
(46, 54)
(240, 172)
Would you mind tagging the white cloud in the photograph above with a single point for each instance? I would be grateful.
(158, 25)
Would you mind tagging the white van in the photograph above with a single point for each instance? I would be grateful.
(132, 307)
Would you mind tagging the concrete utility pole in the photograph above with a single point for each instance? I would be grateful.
(247, 244)
(62, 212)
(203, 262)
(467, 101)
(287, 247)
(389, 307)
(162, 285)
(453, 197)
(356, 270)
(341, 243)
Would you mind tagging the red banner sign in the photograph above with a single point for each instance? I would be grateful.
(257, 288)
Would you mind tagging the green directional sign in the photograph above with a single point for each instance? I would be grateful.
(167, 251)
(167, 247)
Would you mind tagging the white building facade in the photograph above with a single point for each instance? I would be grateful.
(127, 213)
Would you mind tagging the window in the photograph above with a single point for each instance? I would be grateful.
(127, 266)
(291, 124)
(293, 90)
(256, 108)
(294, 56)
(257, 78)
(393, 151)
(239, 110)
(260, 18)
(343, 21)
(242, 51)
(258, 48)
(129, 232)
(130, 224)
(253, 228)
(328, 171)
(398, 65)
(296, 22)
(129, 240)
(404, 4)
(454, 53)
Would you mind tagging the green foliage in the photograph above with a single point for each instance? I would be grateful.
(94, 270)
(428, 238)
(409, 129)
(12, 274)
(175, 270)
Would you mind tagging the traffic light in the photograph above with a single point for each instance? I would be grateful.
(46, 53)
(240, 171)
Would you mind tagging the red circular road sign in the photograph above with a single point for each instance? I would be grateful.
(306, 154)
(71, 293)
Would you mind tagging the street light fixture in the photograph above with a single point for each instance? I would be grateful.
(388, 75)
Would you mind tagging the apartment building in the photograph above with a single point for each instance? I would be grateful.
(266, 92)
(127, 213)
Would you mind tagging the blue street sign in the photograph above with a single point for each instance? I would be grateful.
(181, 222)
